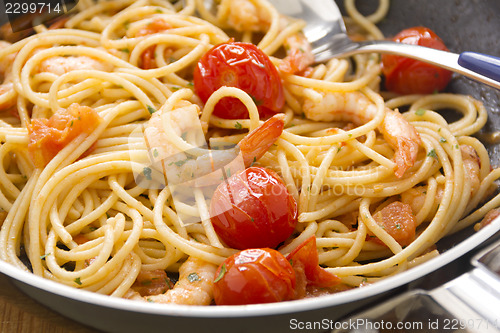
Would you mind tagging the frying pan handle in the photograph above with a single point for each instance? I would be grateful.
(483, 64)
(473, 299)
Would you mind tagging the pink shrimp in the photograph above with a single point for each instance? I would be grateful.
(195, 285)
(203, 167)
(357, 108)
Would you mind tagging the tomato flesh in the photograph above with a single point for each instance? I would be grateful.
(408, 76)
(244, 66)
(398, 220)
(49, 136)
(253, 209)
(305, 259)
(254, 276)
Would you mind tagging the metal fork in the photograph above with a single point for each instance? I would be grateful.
(326, 32)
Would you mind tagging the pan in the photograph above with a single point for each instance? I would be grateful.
(464, 25)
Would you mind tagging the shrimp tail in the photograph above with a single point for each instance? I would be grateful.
(405, 156)
(404, 138)
(258, 141)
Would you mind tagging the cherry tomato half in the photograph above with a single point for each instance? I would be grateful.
(408, 76)
(254, 276)
(244, 66)
(253, 209)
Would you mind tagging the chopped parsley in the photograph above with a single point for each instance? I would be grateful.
(238, 125)
(432, 153)
(254, 160)
(420, 112)
(193, 277)
(44, 256)
(151, 109)
(155, 152)
(180, 163)
(442, 140)
(147, 173)
(222, 272)
(78, 281)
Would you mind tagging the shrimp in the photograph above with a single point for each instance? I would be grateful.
(245, 15)
(61, 65)
(415, 197)
(147, 57)
(357, 108)
(299, 54)
(195, 285)
(7, 92)
(203, 166)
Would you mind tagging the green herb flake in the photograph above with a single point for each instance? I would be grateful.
(238, 125)
(442, 140)
(180, 163)
(190, 84)
(420, 112)
(149, 300)
(398, 226)
(151, 109)
(256, 101)
(253, 162)
(147, 173)
(193, 277)
(222, 272)
(155, 152)
(78, 281)
(146, 282)
(125, 50)
(44, 256)
(432, 153)
(159, 10)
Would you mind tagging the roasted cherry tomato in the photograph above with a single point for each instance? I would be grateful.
(244, 66)
(408, 76)
(253, 209)
(304, 260)
(254, 276)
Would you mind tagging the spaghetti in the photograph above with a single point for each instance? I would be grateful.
(84, 221)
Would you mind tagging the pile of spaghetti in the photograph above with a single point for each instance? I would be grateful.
(374, 188)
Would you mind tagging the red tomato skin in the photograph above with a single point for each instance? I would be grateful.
(306, 257)
(408, 76)
(244, 66)
(254, 276)
(253, 209)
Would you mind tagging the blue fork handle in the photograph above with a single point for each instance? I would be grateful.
(483, 64)
(479, 67)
